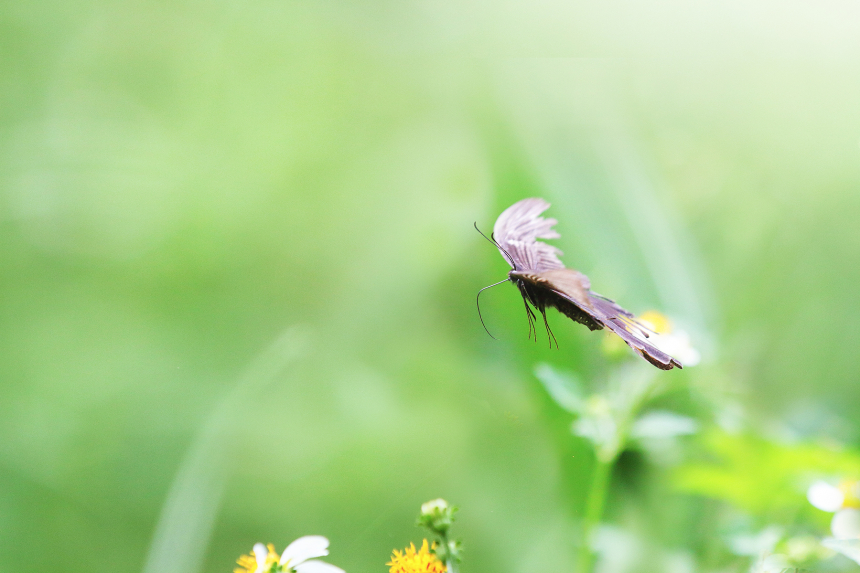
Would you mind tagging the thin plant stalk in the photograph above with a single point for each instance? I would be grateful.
(639, 392)
(594, 512)
(450, 563)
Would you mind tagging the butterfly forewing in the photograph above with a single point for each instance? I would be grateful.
(517, 230)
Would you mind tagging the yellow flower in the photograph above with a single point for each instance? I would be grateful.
(411, 561)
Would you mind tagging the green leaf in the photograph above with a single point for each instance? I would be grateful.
(563, 387)
(663, 424)
(761, 476)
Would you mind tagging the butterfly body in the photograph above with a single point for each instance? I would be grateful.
(540, 290)
(544, 282)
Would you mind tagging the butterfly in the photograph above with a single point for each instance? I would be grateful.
(543, 281)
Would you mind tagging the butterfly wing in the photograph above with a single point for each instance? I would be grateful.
(545, 282)
(517, 230)
(571, 287)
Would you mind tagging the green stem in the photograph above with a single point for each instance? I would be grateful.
(450, 565)
(607, 454)
(593, 512)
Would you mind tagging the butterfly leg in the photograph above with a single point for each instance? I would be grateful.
(548, 330)
(531, 318)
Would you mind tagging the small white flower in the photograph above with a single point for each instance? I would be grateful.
(842, 502)
(300, 556)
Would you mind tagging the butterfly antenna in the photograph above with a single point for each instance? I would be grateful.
(478, 301)
(497, 245)
(504, 250)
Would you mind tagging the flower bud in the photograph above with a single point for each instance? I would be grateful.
(437, 516)
(433, 505)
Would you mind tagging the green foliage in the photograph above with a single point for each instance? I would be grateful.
(564, 388)
(760, 476)
(183, 182)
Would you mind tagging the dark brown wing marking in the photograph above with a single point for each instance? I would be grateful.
(517, 230)
(622, 323)
(574, 287)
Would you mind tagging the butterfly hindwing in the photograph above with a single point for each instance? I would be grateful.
(572, 286)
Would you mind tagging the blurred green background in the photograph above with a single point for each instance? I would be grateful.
(239, 268)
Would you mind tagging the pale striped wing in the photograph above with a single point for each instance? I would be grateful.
(517, 230)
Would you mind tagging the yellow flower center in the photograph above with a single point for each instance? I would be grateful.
(248, 563)
(655, 321)
(850, 490)
(411, 561)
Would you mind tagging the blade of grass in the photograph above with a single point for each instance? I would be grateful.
(191, 507)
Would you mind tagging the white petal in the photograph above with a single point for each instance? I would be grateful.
(677, 344)
(304, 548)
(825, 497)
(260, 553)
(318, 567)
(846, 524)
